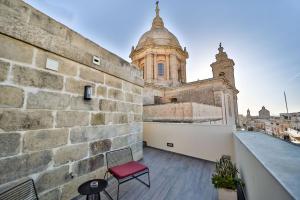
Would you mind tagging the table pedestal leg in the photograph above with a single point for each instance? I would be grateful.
(93, 197)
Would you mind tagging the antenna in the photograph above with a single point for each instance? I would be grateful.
(286, 106)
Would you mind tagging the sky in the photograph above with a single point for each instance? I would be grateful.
(262, 37)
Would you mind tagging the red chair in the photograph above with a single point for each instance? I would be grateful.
(123, 168)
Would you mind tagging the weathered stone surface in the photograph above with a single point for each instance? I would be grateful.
(11, 120)
(69, 190)
(15, 50)
(138, 118)
(136, 128)
(78, 103)
(101, 91)
(36, 78)
(57, 38)
(9, 144)
(84, 134)
(72, 118)
(70, 153)
(98, 119)
(48, 100)
(123, 107)
(89, 74)
(45, 139)
(137, 150)
(107, 105)
(52, 195)
(136, 89)
(65, 66)
(53, 178)
(115, 94)
(88, 165)
(129, 87)
(77, 86)
(138, 99)
(122, 141)
(11, 97)
(138, 109)
(137, 147)
(113, 81)
(47, 23)
(116, 118)
(128, 97)
(16, 167)
(100, 146)
(4, 66)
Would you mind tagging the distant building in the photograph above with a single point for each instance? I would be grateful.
(264, 113)
(167, 94)
(293, 118)
(248, 113)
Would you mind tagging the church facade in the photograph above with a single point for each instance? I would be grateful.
(167, 93)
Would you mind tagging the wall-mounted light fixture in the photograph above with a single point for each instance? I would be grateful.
(87, 92)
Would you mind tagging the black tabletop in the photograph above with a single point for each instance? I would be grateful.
(86, 189)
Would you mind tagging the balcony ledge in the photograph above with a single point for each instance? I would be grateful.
(281, 159)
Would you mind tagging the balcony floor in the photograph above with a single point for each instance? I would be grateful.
(173, 176)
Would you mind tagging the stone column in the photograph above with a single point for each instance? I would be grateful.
(183, 71)
(174, 68)
(155, 66)
(168, 66)
(149, 65)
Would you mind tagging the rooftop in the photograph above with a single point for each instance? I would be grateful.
(173, 176)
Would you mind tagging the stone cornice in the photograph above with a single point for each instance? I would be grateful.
(137, 54)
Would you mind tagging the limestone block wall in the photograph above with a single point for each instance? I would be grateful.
(199, 93)
(47, 131)
(182, 112)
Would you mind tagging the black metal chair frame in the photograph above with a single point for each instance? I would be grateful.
(126, 179)
(12, 193)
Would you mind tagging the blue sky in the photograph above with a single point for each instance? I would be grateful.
(263, 38)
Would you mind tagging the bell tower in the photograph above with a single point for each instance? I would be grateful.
(223, 67)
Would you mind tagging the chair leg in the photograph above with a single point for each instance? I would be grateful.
(149, 178)
(118, 190)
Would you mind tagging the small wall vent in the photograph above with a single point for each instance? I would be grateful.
(96, 60)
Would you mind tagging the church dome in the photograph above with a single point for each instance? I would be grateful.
(158, 35)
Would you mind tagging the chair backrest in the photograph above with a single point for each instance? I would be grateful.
(118, 157)
(23, 191)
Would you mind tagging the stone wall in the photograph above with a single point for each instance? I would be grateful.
(47, 131)
(182, 112)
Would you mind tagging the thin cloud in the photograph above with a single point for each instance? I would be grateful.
(296, 76)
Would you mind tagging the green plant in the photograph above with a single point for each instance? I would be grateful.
(226, 175)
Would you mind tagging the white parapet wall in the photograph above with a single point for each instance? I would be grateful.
(268, 166)
(207, 142)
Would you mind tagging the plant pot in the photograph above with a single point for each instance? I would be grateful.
(226, 194)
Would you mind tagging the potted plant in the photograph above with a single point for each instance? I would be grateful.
(226, 179)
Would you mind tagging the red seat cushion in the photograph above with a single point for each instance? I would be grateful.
(127, 169)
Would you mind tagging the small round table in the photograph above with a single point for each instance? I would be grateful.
(92, 193)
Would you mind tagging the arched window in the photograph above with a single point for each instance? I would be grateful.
(161, 69)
